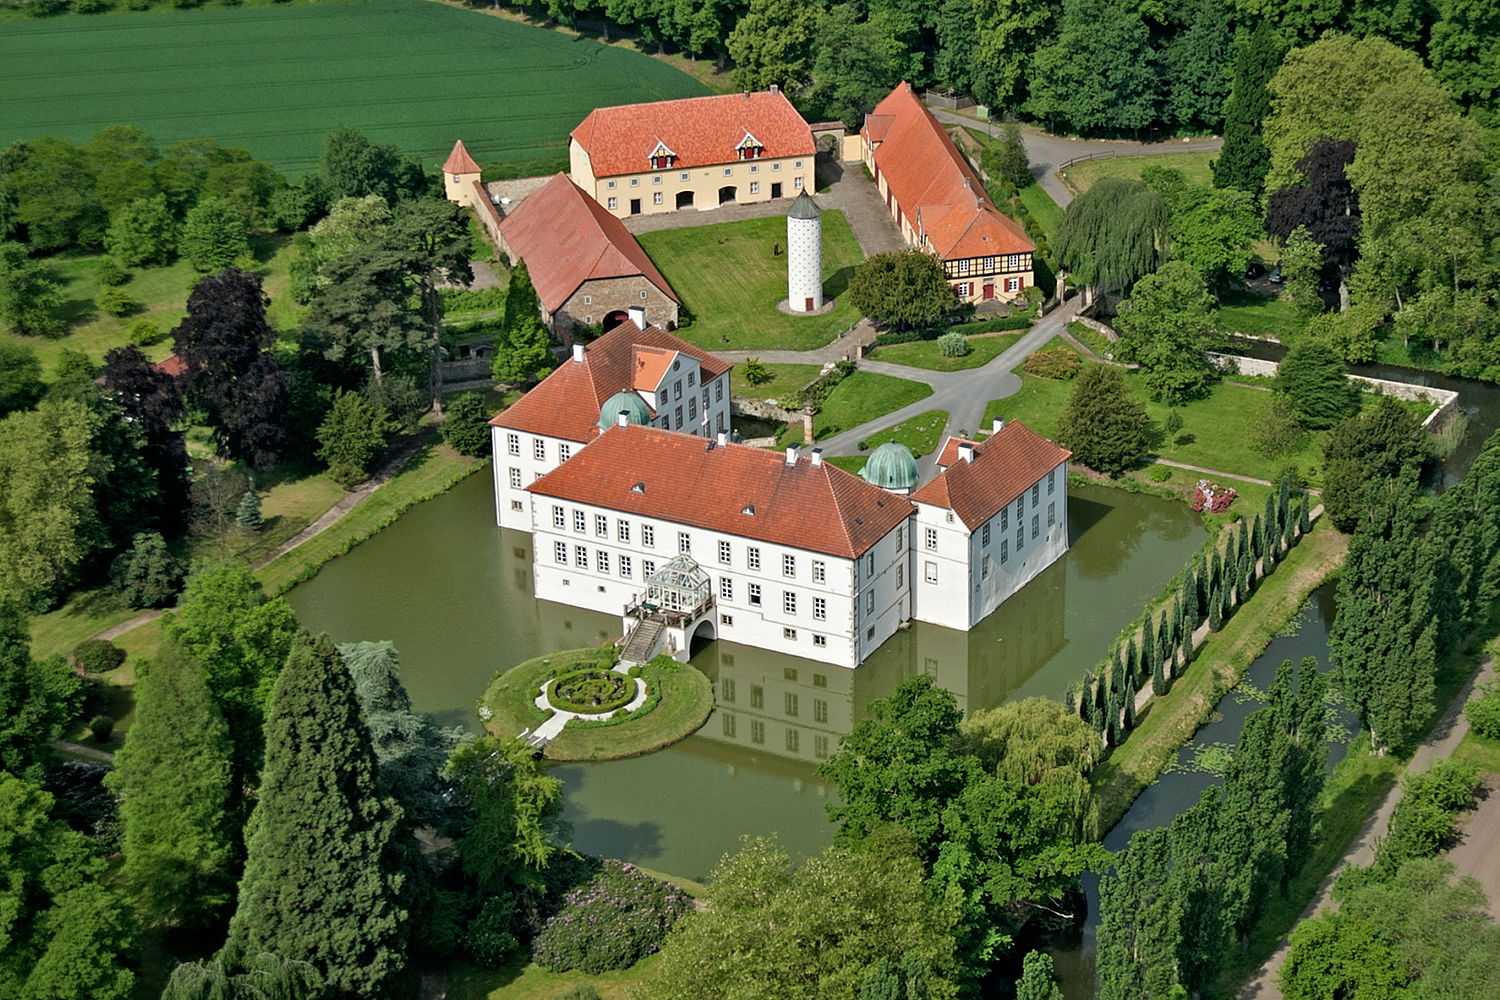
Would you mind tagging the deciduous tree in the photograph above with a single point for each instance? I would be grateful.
(1112, 234)
(1167, 327)
(29, 298)
(905, 290)
(142, 232)
(214, 235)
(20, 377)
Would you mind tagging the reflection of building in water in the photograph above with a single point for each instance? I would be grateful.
(782, 705)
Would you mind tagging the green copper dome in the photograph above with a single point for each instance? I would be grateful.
(636, 410)
(891, 466)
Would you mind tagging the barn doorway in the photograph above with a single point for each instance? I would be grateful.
(727, 194)
(614, 319)
(684, 199)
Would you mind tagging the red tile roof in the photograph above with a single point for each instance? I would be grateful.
(172, 365)
(691, 481)
(566, 404)
(459, 161)
(566, 238)
(701, 131)
(1003, 466)
(934, 184)
(650, 365)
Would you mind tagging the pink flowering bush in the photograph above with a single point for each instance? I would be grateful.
(609, 922)
(1212, 497)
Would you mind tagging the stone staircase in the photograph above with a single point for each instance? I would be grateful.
(642, 642)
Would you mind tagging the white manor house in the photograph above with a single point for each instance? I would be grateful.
(619, 465)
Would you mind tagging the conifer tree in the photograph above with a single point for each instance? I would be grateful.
(1215, 611)
(1132, 666)
(1159, 684)
(1190, 613)
(173, 778)
(1244, 160)
(1116, 707)
(1166, 639)
(1101, 707)
(1197, 885)
(1304, 516)
(1186, 627)
(248, 516)
(1127, 722)
(1384, 634)
(1139, 922)
(1307, 726)
(1150, 655)
(1284, 511)
(318, 884)
(1257, 537)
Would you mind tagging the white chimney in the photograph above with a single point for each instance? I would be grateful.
(638, 316)
(791, 455)
(578, 354)
(996, 426)
(817, 457)
(622, 419)
(723, 439)
(966, 451)
(775, 88)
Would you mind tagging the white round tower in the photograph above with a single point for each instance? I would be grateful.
(804, 256)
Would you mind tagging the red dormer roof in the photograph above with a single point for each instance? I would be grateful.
(459, 161)
(649, 365)
(700, 131)
(732, 489)
(1004, 465)
(933, 183)
(567, 403)
(566, 238)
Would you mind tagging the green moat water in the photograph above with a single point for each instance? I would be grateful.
(454, 593)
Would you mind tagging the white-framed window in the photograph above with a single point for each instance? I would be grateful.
(718, 390)
(1005, 518)
(683, 177)
(539, 450)
(789, 634)
(648, 535)
(775, 166)
(560, 552)
(985, 571)
(822, 640)
(754, 185)
(677, 413)
(648, 567)
(754, 592)
(578, 521)
(1036, 494)
(1012, 284)
(513, 444)
(1051, 514)
(580, 557)
(643, 293)
(610, 185)
(588, 300)
(1036, 525)
(601, 561)
(515, 479)
(684, 542)
(564, 452)
(900, 538)
(929, 537)
(517, 505)
(677, 389)
(728, 171)
(900, 575)
(788, 565)
(693, 408)
(723, 552)
(612, 204)
(635, 182)
(870, 563)
(757, 731)
(797, 183)
(622, 530)
(1004, 551)
(726, 588)
(1020, 538)
(790, 701)
(726, 620)
(820, 609)
(797, 165)
(1052, 482)
(819, 571)
(963, 288)
(692, 377)
(929, 571)
(870, 602)
(757, 696)
(1020, 506)
(626, 569)
(656, 196)
(601, 525)
(752, 557)
(789, 602)
(754, 169)
(820, 707)
(984, 535)
(656, 180)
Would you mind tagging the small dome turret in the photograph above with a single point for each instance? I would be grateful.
(892, 466)
(632, 405)
(804, 207)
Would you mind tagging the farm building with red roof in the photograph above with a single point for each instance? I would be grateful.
(696, 152)
(939, 202)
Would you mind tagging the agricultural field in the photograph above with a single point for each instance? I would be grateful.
(731, 275)
(275, 80)
(1194, 166)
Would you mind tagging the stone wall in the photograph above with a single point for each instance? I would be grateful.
(1108, 332)
(1441, 399)
(608, 295)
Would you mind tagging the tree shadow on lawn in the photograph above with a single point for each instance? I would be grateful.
(838, 283)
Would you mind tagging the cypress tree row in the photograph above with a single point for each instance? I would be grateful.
(1284, 511)
(1304, 516)
(1101, 709)
(1215, 611)
(173, 778)
(319, 884)
(1139, 922)
(1128, 722)
(1166, 639)
(1132, 667)
(1186, 626)
(1150, 657)
(1191, 612)
(1115, 707)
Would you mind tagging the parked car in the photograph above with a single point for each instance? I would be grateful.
(1274, 277)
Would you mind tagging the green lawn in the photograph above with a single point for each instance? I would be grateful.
(1216, 431)
(1194, 166)
(1258, 316)
(1042, 208)
(1481, 751)
(276, 79)
(859, 398)
(522, 979)
(730, 281)
(785, 379)
(925, 353)
(1092, 339)
(162, 293)
(687, 698)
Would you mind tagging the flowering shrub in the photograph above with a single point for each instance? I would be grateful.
(609, 922)
(1212, 497)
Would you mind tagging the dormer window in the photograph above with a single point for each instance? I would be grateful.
(662, 158)
(750, 148)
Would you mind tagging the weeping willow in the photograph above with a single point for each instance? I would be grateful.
(1112, 234)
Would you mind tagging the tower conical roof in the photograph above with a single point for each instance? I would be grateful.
(892, 466)
(804, 208)
(459, 161)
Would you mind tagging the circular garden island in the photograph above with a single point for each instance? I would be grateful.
(612, 713)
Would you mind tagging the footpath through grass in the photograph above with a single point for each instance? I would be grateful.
(1194, 166)
(984, 348)
(731, 275)
(858, 399)
(1168, 722)
(276, 79)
